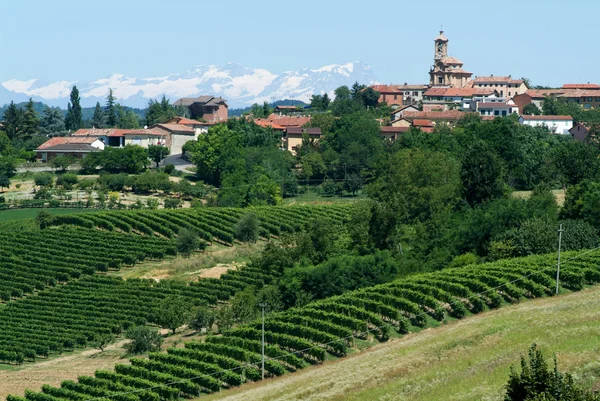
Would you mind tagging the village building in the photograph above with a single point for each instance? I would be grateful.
(77, 147)
(208, 108)
(579, 132)
(295, 136)
(556, 124)
(447, 70)
(505, 86)
(398, 96)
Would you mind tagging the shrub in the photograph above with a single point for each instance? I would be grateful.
(151, 181)
(67, 180)
(44, 180)
(114, 182)
(142, 340)
(202, 318)
(247, 228)
(188, 241)
(169, 168)
(172, 203)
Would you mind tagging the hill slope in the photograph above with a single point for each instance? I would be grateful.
(462, 361)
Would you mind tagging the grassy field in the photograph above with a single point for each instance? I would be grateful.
(18, 214)
(212, 262)
(465, 360)
(559, 194)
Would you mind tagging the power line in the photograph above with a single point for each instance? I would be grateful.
(323, 345)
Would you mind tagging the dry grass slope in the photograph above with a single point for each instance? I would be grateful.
(466, 360)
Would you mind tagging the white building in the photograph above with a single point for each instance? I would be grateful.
(556, 124)
(496, 109)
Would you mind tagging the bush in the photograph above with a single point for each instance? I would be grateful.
(45, 180)
(43, 194)
(202, 318)
(169, 168)
(115, 182)
(247, 228)
(172, 203)
(188, 241)
(67, 180)
(142, 340)
(44, 219)
(151, 181)
(86, 183)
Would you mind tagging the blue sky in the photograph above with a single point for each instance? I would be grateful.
(550, 41)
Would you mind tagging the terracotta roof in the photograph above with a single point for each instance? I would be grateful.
(581, 86)
(302, 131)
(398, 89)
(418, 122)
(154, 131)
(567, 93)
(67, 140)
(495, 105)
(267, 124)
(289, 121)
(459, 92)
(100, 132)
(386, 129)
(186, 121)
(451, 60)
(497, 80)
(441, 37)
(547, 118)
(434, 115)
(174, 128)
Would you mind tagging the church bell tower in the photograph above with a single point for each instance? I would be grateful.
(441, 47)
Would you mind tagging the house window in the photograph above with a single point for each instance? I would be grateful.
(509, 93)
(503, 112)
(496, 113)
(440, 80)
(384, 98)
(589, 99)
(395, 97)
(587, 106)
(415, 93)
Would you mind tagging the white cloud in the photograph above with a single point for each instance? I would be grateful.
(54, 90)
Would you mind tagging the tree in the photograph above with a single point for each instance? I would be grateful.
(157, 153)
(5, 144)
(52, 121)
(537, 382)
(62, 162)
(531, 110)
(127, 119)
(44, 219)
(225, 318)
(355, 91)
(576, 161)
(172, 203)
(98, 120)
(481, 174)
(244, 306)
(45, 180)
(13, 121)
(342, 93)
(202, 318)
(187, 242)
(30, 120)
(247, 228)
(73, 119)
(142, 340)
(582, 202)
(110, 110)
(172, 313)
(101, 341)
(369, 97)
(353, 183)
(4, 182)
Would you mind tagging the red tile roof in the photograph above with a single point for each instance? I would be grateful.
(267, 124)
(154, 131)
(497, 80)
(451, 60)
(547, 118)
(434, 115)
(289, 121)
(581, 86)
(173, 128)
(418, 122)
(67, 140)
(386, 129)
(100, 132)
(397, 89)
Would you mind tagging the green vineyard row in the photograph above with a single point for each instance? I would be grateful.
(303, 336)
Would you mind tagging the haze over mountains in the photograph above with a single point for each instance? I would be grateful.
(240, 85)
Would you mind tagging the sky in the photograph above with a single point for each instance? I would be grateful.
(547, 41)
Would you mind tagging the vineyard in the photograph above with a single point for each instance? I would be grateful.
(303, 336)
(210, 223)
(54, 317)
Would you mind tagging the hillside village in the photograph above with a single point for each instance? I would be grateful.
(403, 241)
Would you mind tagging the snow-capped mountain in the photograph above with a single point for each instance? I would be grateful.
(239, 85)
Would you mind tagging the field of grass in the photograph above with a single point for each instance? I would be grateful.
(559, 194)
(18, 214)
(465, 360)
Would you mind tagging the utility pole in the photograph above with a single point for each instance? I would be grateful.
(560, 231)
(263, 305)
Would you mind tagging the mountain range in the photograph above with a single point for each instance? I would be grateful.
(239, 85)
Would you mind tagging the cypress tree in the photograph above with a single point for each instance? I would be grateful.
(110, 110)
(12, 121)
(98, 118)
(30, 120)
(73, 119)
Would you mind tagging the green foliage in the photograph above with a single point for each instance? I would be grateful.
(202, 318)
(4, 182)
(537, 382)
(188, 242)
(101, 341)
(583, 202)
(110, 110)
(45, 180)
(73, 119)
(172, 313)
(44, 219)
(115, 182)
(62, 162)
(531, 110)
(130, 159)
(172, 203)
(151, 181)
(12, 121)
(247, 228)
(157, 153)
(576, 161)
(159, 112)
(481, 174)
(98, 120)
(30, 121)
(169, 168)
(142, 340)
